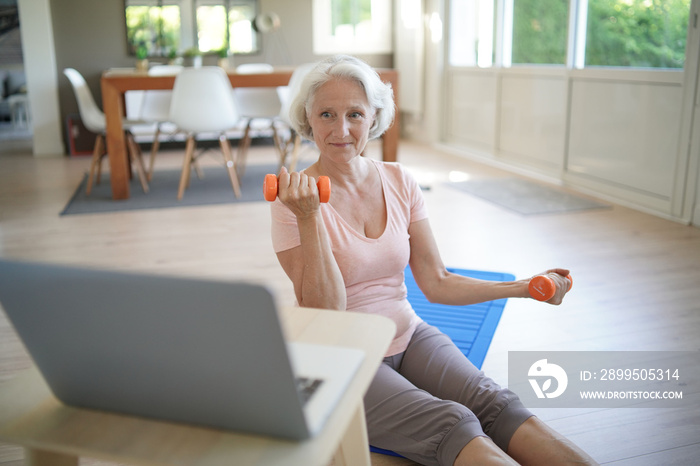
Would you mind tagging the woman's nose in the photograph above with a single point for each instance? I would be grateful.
(341, 127)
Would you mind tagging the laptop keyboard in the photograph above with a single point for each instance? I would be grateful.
(307, 387)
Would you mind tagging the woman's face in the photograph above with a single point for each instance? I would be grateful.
(341, 118)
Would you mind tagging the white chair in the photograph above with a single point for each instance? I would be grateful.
(94, 119)
(155, 108)
(202, 102)
(292, 144)
(19, 111)
(260, 106)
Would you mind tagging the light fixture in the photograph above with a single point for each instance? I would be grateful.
(267, 22)
(269, 25)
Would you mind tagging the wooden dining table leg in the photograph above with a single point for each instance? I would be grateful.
(390, 145)
(113, 107)
(390, 139)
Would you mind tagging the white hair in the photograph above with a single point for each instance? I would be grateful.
(379, 94)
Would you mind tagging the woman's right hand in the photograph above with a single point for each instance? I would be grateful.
(299, 193)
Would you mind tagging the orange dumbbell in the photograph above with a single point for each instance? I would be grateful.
(542, 287)
(270, 187)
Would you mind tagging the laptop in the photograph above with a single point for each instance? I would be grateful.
(208, 353)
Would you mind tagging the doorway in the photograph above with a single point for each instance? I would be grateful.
(15, 115)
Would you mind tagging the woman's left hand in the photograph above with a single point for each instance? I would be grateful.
(561, 283)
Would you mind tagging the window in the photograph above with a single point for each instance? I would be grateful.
(226, 24)
(620, 33)
(352, 26)
(167, 27)
(639, 33)
(155, 27)
(540, 31)
(472, 42)
(242, 36)
(211, 27)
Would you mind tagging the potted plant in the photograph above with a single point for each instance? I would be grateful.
(142, 58)
(194, 55)
(173, 58)
(224, 58)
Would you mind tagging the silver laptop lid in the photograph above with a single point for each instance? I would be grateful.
(186, 350)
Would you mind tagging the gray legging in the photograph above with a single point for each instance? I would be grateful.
(428, 402)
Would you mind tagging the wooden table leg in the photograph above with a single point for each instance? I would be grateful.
(113, 106)
(354, 447)
(390, 143)
(390, 138)
(34, 457)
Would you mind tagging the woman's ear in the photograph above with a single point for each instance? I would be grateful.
(375, 122)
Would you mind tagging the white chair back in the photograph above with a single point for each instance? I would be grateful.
(202, 101)
(252, 68)
(165, 70)
(133, 101)
(288, 93)
(155, 106)
(257, 102)
(93, 118)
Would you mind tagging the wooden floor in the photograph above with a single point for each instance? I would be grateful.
(636, 276)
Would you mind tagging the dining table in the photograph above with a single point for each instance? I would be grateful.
(116, 82)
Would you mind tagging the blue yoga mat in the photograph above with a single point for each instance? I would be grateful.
(471, 328)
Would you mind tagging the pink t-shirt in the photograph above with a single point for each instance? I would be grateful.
(372, 268)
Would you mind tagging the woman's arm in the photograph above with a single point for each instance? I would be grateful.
(311, 266)
(443, 287)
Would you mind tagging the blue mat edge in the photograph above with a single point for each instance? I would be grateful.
(482, 341)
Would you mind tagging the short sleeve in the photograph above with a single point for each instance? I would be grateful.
(408, 192)
(418, 209)
(284, 230)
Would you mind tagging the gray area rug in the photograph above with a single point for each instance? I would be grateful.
(526, 197)
(213, 188)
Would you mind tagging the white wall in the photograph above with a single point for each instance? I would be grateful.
(694, 165)
(40, 67)
(692, 86)
(624, 137)
(695, 148)
(532, 119)
(472, 108)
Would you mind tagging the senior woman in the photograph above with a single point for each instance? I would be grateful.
(427, 401)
